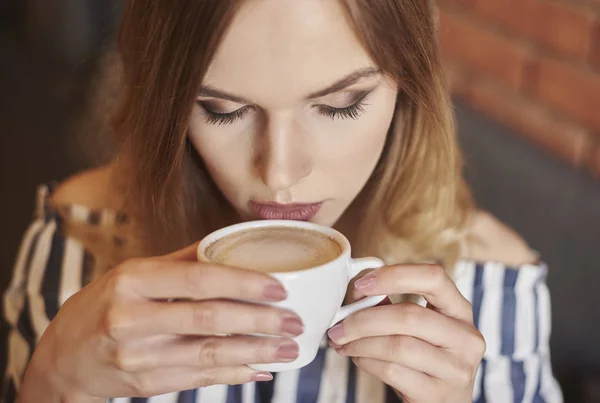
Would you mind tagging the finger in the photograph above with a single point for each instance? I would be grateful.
(206, 352)
(354, 294)
(430, 281)
(406, 319)
(133, 320)
(167, 380)
(189, 253)
(161, 279)
(412, 385)
(409, 352)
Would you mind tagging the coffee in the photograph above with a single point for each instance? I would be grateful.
(274, 249)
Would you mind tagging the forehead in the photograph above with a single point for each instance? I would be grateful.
(279, 50)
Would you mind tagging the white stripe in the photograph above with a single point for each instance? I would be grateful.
(525, 313)
(14, 300)
(71, 271)
(121, 400)
(36, 275)
(286, 387)
(368, 388)
(40, 203)
(545, 316)
(550, 389)
(464, 276)
(477, 388)
(490, 317)
(248, 392)
(18, 357)
(498, 387)
(214, 394)
(14, 295)
(168, 398)
(79, 213)
(107, 218)
(334, 380)
(531, 366)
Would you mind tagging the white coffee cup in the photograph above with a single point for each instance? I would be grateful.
(315, 294)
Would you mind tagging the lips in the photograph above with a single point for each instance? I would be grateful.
(277, 211)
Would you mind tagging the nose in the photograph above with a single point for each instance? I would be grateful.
(282, 159)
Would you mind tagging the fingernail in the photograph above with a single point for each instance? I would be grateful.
(336, 332)
(288, 352)
(366, 282)
(292, 326)
(275, 292)
(262, 377)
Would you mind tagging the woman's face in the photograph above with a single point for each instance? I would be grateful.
(293, 114)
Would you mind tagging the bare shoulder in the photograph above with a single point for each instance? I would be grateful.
(491, 240)
(91, 188)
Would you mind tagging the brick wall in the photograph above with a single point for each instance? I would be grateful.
(532, 64)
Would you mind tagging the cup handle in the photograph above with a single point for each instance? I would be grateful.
(356, 267)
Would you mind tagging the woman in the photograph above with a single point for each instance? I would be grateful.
(238, 110)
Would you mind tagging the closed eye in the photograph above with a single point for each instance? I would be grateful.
(353, 111)
(217, 118)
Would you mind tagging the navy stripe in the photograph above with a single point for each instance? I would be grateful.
(265, 390)
(309, 380)
(517, 378)
(509, 312)
(234, 394)
(391, 396)
(53, 273)
(139, 400)
(189, 396)
(9, 394)
(351, 389)
(482, 368)
(24, 324)
(477, 293)
(87, 267)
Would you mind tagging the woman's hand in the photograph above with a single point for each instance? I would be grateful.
(427, 354)
(121, 337)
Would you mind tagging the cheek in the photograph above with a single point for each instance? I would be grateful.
(359, 145)
(228, 160)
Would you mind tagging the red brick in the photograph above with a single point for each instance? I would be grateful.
(472, 46)
(595, 47)
(568, 141)
(569, 89)
(560, 26)
(457, 79)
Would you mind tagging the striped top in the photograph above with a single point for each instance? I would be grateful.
(511, 308)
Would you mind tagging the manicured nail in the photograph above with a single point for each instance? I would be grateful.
(275, 292)
(288, 352)
(262, 377)
(366, 282)
(292, 327)
(336, 332)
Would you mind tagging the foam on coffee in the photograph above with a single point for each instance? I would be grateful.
(274, 249)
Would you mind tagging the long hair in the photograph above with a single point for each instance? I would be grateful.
(414, 207)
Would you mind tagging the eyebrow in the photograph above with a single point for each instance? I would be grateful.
(348, 80)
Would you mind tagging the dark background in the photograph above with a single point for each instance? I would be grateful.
(50, 53)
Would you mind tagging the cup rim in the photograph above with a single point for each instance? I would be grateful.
(249, 225)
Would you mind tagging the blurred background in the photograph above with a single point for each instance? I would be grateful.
(526, 79)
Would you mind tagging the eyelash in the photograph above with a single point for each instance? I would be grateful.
(353, 111)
